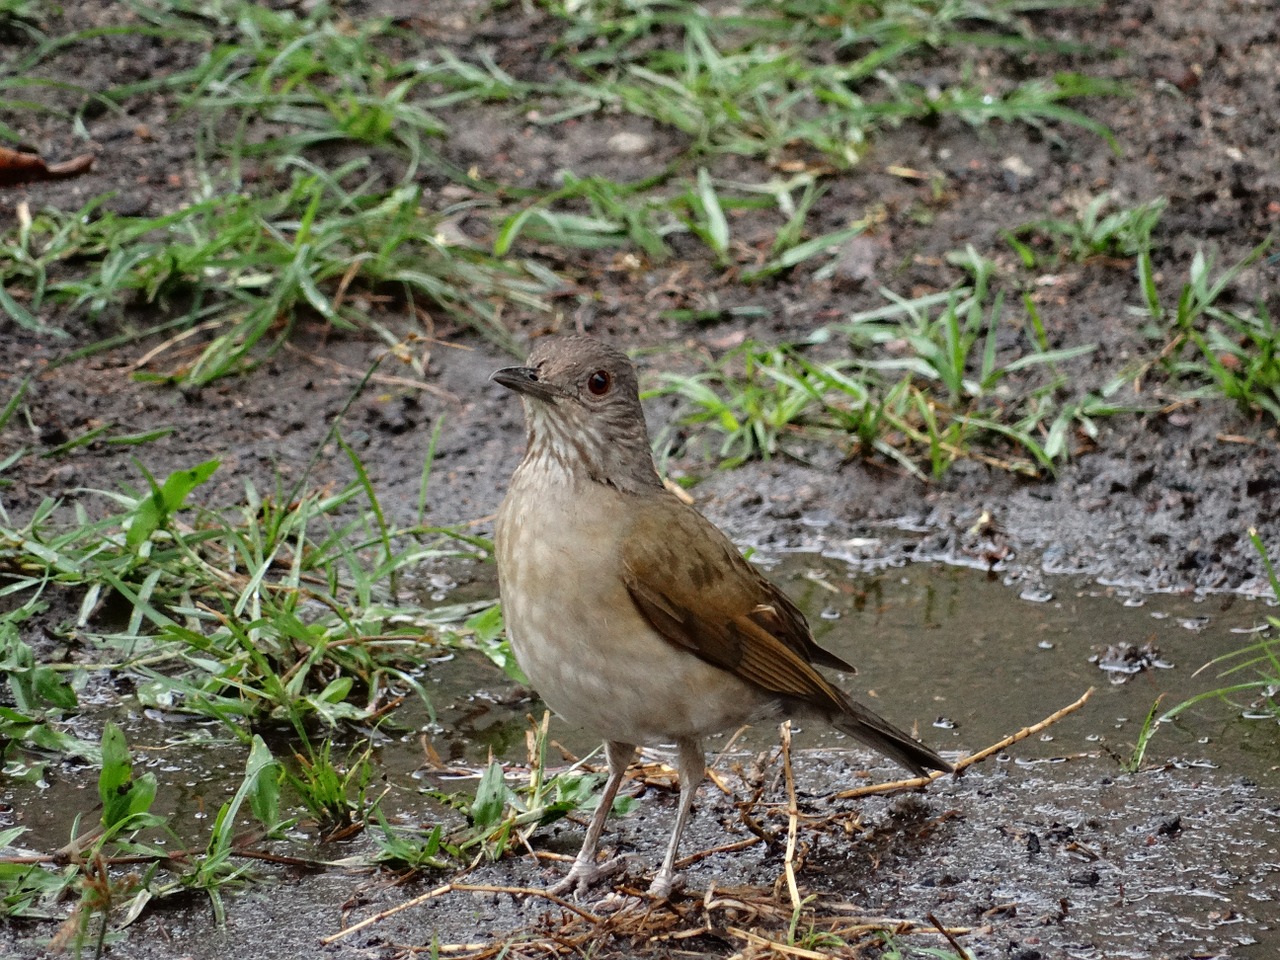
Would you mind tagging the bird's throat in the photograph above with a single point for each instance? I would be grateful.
(571, 451)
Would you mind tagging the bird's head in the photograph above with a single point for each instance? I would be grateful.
(582, 411)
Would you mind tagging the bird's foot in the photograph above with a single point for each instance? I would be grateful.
(584, 875)
(664, 883)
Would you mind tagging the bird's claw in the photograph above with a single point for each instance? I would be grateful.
(665, 884)
(583, 876)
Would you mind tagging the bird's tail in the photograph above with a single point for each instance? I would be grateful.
(898, 745)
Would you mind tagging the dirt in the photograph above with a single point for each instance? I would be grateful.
(1160, 501)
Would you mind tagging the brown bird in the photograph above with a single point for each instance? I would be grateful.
(630, 613)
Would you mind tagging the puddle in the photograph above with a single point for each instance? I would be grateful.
(1050, 846)
(961, 655)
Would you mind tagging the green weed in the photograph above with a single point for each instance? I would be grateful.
(31, 887)
(616, 214)
(336, 794)
(242, 262)
(811, 938)
(923, 384)
(644, 216)
(272, 610)
(309, 236)
(1233, 353)
(1133, 763)
(239, 271)
(1097, 230)
(216, 869)
(780, 76)
(502, 818)
(507, 807)
(896, 949)
(402, 848)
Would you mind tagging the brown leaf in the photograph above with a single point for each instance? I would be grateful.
(17, 166)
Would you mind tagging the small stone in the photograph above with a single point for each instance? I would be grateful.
(627, 144)
(1017, 173)
(855, 262)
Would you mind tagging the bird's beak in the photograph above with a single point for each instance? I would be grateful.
(524, 381)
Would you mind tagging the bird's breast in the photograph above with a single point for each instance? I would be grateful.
(577, 634)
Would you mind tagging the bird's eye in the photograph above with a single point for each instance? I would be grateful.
(599, 383)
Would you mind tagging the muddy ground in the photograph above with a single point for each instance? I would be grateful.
(1161, 501)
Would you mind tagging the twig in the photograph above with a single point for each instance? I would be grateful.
(955, 944)
(793, 816)
(444, 888)
(172, 342)
(389, 379)
(477, 948)
(914, 782)
(712, 775)
(527, 891)
(776, 946)
(793, 823)
(1025, 732)
(734, 847)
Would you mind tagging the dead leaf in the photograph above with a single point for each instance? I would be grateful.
(17, 166)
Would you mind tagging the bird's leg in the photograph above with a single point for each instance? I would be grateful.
(585, 872)
(693, 767)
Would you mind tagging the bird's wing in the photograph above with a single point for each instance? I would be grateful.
(694, 588)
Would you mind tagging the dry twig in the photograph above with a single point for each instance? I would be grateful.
(913, 783)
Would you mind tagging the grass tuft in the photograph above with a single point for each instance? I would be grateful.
(1234, 352)
(922, 383)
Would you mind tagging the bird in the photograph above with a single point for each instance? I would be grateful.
(632, 615)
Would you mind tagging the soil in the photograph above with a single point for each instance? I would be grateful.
(1161, 501)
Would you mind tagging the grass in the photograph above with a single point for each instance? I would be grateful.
(271, 611)
(336, 794)
(501, 819)
(927, 381)
(1230, 351)
(270, 615)
(129, 831)
(618, 215)
(315, 234)
(235, 267)
(772, 78)
(238, 272)
(278, 616)
(1096, 230)
(921, 383)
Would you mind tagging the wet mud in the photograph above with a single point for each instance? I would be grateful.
(1049, 845)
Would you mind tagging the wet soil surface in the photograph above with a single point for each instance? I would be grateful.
(1046, 849)
(1039, 859)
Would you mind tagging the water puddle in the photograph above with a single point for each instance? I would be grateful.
(971, 661)
(1049, 845)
